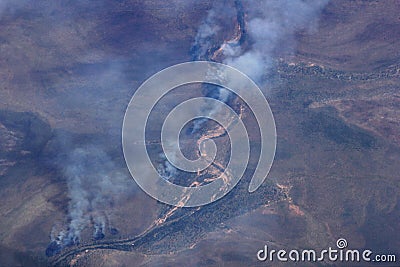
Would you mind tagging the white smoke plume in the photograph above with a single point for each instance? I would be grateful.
(166, 169)
(267, 26)
(94, 186)
(270, 26)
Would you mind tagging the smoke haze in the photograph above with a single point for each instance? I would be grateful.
(94, 186)
(96, 90)
(267, 27)
(270, 27)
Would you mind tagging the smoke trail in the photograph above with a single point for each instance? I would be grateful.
(93, 188)
(166, 169)
(265, 28)
(93, 184)
(269, 27)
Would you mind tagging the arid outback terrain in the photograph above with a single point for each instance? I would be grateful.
(67, 73)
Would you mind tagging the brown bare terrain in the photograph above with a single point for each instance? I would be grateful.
(337, 163)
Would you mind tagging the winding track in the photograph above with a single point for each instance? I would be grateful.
(190, 224)
(185, 217)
